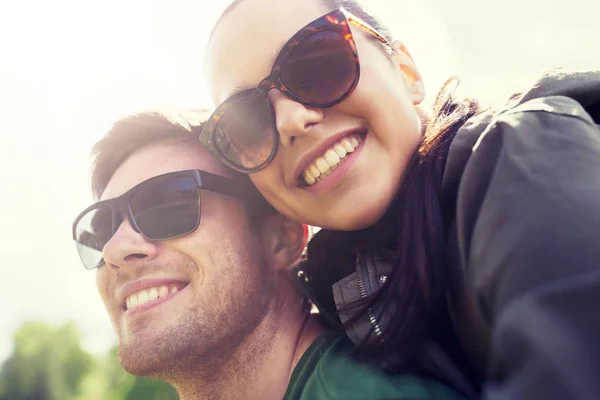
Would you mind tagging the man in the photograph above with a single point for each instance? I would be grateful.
(194, 269)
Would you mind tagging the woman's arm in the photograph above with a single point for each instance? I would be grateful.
(528, 216)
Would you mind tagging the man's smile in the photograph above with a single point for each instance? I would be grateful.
(144, 294)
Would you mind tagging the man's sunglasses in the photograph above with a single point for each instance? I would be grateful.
(164, 207)
(317, 67)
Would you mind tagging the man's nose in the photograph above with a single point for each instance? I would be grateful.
(293, 119)
(128, 248)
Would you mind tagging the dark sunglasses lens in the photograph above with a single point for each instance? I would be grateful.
(321, 69)
(245, 134)
(167, 208)
(92, 232)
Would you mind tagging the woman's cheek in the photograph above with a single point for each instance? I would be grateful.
(271, 185)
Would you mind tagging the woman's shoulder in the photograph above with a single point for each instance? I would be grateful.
(555, 91)
(538, 117)
(582, 86)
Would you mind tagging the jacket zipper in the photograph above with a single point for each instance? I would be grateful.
(363, 294)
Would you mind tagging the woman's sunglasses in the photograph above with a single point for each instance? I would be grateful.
(164, 207)
(317, 67)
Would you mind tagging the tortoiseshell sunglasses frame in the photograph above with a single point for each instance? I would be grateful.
(337, 21)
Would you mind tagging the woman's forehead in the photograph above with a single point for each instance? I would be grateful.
(245, 42)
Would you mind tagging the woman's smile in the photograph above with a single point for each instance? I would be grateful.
(329, 155)
(324, 162)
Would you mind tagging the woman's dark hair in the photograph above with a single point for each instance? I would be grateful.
(413, 226)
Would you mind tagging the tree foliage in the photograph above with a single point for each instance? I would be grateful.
(48, 363)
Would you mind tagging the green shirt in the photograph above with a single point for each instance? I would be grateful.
(326, 371)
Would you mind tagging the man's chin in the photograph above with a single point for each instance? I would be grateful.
(150, 353)
(140, 360)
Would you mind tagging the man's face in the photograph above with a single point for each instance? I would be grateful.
(216, 277)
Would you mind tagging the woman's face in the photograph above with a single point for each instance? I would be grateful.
(379, 115)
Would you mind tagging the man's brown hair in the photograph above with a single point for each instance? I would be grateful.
(134, 132)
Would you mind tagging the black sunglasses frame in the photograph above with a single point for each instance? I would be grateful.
(337, 21)
(121, 206)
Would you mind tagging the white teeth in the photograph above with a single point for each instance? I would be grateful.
(347, 145)
(143, 296)
(332, 158)
(309, 178)
(324, 165)
(314, 171)
(340, 151)
(163, 291)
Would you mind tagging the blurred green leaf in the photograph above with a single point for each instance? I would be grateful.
(48, 363)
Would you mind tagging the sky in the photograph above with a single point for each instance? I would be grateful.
(69, 68)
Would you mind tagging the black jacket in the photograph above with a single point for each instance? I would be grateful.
(521, 197)
(524, 183)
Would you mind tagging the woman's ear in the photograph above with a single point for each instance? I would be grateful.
(413, 78)
(284, 241)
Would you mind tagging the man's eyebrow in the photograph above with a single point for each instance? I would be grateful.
(272, 58)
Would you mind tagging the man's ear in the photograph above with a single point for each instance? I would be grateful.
(413, 78)
(284, 241)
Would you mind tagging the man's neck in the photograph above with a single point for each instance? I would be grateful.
(258, 369)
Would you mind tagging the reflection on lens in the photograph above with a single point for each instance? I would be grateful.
(93, 231)
(245, 134)
(321, 69)
(167, 208)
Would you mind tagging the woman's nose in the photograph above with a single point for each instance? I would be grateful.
(293, 119)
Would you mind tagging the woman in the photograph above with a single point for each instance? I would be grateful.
(481, 227)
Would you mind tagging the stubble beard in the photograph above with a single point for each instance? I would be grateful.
(199, 343)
